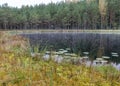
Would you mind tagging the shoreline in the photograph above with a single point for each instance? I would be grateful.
(102, 31)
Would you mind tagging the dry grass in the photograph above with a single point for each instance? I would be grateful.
(22, 70)
(8, 42)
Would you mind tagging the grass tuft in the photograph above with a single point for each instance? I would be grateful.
(19, 69)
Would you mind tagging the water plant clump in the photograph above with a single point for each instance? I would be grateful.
(114, 54)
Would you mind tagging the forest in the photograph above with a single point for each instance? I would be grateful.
(80, 15)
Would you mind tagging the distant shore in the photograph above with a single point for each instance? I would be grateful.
(62, 31)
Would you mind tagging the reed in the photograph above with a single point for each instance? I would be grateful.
(22, 70)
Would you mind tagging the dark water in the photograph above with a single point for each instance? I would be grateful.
(78, 42)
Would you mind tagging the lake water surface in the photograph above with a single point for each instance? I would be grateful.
(78, 42)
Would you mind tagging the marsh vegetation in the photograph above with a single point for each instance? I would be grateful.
(19, 68)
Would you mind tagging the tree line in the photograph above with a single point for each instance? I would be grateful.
(80, 15)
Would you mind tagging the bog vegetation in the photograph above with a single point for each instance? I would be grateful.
(17, 68)
(80, 15)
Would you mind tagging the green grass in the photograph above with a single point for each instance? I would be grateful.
(22, 70)
(19, 69)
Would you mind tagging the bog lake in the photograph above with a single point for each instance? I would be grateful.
(78, 42)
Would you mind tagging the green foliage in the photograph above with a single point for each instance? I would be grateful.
(60, 15)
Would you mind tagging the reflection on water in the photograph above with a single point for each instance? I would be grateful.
(78, 43)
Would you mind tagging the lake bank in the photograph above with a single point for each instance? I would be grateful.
(62, 31)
